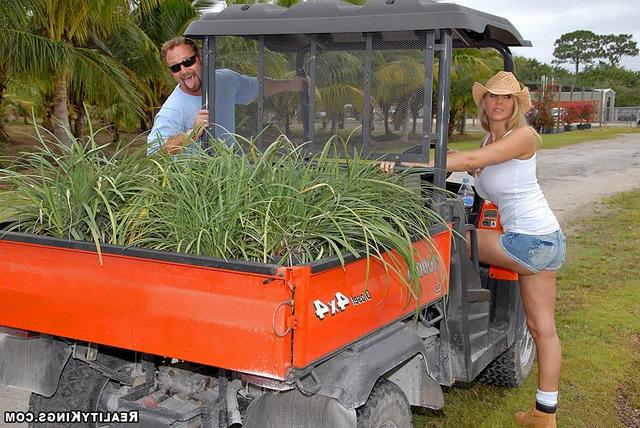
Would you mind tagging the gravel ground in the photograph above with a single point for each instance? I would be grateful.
(576, 176)
(573, 178)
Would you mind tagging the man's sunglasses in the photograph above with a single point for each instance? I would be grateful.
(186, 63)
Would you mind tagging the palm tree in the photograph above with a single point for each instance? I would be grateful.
(57, 39)
(11, 16)
(167, 19)
(340, 79)
(468, 66)
(398, 80)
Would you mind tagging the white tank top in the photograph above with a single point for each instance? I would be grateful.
(513, 187)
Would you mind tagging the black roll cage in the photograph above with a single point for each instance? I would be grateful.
(412, 23)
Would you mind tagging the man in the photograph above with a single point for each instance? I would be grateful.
(183, 118)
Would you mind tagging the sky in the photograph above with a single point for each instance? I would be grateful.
(543, 21)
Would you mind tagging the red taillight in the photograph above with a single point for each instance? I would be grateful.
(17, 332)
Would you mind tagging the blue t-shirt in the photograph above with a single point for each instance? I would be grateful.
(179, 111)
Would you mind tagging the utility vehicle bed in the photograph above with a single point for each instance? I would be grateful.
(254, 318)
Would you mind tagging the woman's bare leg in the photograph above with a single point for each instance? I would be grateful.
(538, 293)
(539, 297)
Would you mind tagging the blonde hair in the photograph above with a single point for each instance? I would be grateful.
(177, 41)
(516, 120)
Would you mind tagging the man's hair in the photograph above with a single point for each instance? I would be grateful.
(177, 41)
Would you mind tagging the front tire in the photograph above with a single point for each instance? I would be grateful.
(387, 407)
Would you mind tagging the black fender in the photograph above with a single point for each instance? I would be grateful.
(397, 352)
(32, 363)
(292, 408)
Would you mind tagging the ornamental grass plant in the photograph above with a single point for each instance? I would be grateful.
(275, 206)
(76, 191)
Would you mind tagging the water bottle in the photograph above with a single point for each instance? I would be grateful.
(467, 195)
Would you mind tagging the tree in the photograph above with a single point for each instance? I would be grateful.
(468, 66)
(169, 18)
(614, 47)
(577, 47)
(339, 80)
(530, 70)
(625, 83)
(12, 15)
(397, 78)
(52, 39)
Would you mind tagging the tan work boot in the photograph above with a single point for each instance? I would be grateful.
(534, 418)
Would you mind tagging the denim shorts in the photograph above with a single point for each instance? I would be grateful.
(535, 252)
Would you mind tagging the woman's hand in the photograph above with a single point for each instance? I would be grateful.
(387, 166)
(474, 172)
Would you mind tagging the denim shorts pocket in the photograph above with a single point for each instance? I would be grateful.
(508, 237)
(541, 252)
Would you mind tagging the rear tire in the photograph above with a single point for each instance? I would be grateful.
(80, 388)
(387, 407)
(514, 366)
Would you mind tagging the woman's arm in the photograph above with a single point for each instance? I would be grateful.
(520, 144)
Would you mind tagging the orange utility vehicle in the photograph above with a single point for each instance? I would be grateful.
(180, 340)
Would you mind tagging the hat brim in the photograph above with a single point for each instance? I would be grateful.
(479, 90)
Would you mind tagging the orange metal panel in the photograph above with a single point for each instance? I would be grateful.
(337, 306)
(490, 220)
(200, 314)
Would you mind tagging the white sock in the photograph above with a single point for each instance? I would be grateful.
(547, 398)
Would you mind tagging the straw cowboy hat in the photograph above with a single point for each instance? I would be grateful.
(503, 83)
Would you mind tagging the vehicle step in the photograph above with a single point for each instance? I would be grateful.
(478, 295)
(496, 345)
(473, 317)
(478, 335)
(478, 341)
(479, 307)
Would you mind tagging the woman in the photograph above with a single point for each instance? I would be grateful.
(532, 243)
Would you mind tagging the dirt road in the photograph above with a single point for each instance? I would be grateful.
(573, 178)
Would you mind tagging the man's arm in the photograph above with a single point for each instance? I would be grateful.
(174, 143)
(273, 86)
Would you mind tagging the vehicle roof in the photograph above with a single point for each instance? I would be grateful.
(345, 22)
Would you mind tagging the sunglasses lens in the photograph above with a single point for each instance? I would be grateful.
(186, 63)
(189, 61)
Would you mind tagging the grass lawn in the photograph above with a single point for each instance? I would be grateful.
(472, 140)
(23, 138)
(599, 325)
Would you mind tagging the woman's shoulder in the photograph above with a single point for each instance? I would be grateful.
(524, 130)
(526, 139)
(526, 134)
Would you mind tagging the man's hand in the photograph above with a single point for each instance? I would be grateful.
(200, 123)
(273, 86)
(174, 144)
(298, 83)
